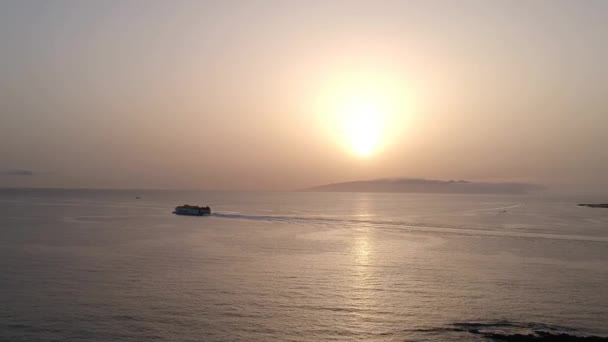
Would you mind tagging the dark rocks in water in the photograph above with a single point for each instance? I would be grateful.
(540, 336)
(594, 205)
(524, 332)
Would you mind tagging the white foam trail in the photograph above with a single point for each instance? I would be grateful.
(405, 226)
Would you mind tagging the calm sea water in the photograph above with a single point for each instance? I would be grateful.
(83, 265)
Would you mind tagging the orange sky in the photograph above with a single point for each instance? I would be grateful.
(273, 95)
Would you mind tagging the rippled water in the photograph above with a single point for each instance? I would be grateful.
(103, 266)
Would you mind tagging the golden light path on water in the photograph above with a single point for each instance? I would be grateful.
(363, 260)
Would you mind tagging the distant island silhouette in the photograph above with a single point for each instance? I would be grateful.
(420, 185)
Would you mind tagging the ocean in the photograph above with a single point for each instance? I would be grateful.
(102, 265)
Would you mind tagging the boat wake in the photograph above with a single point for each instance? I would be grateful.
(397, 225)
(276, 218)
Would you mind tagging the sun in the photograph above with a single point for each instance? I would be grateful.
(362, 111)
(361, 124)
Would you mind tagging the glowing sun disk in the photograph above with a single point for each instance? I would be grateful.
(361, 125)
(362, 110)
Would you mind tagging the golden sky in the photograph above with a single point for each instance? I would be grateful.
(279, 95)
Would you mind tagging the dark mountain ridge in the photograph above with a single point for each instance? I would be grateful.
(419, 185)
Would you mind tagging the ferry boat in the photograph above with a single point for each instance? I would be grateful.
(192, 210)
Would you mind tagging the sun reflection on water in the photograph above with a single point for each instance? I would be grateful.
(362, 250)
(363, 284)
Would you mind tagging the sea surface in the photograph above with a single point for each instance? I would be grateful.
(90, 265)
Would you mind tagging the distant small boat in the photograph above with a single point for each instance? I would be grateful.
(137, 197)
(192, 210)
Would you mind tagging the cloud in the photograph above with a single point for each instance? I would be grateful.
(17, 172)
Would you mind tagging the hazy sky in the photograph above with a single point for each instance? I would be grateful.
(264, 94)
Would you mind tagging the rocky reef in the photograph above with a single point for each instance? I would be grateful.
(594, 205)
